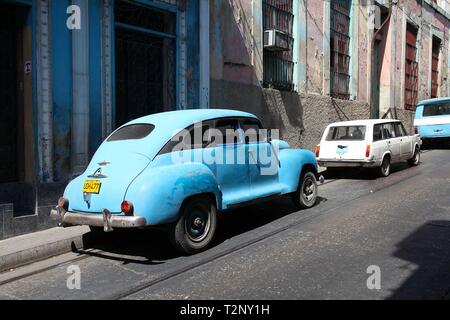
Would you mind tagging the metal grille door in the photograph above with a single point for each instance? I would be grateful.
(145, 61)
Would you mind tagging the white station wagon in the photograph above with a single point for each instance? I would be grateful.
(368, 144)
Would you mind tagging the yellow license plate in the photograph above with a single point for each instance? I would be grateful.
(92, 186)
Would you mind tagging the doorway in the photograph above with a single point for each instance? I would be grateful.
(15, 87)
(145, 61)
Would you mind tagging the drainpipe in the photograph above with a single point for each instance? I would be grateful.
(372, 54)
(204, 54)
(80, 112)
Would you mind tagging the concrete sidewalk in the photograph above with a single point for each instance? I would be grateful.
(18, 251)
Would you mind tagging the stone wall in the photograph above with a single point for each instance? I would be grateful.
(320, 111)
(406, 116)
(301, 118)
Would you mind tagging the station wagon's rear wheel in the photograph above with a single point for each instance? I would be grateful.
(385, 169)
(196, 227)
(415, 160)
(306, 195)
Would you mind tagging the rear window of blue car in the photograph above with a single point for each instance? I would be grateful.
(441, 109)
(132, 132)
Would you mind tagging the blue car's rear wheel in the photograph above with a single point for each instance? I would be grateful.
(196, 227)
(306, 195)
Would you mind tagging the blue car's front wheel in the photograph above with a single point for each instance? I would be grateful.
(196, 227)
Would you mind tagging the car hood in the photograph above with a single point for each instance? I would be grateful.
(115, 170)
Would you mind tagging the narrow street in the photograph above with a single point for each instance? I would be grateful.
(400, 224)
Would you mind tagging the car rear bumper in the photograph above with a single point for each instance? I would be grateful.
(334, 163)
(105, 220)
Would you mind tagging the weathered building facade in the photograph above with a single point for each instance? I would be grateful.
(73, 70)
(334, 60)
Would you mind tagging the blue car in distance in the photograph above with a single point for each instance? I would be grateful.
(432, 119)
(180, 170)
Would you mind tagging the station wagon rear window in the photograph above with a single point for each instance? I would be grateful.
(347, 133)
(441, 109)
(132, 132)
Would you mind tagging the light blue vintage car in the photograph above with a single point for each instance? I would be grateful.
(149, 173)
(432, 119)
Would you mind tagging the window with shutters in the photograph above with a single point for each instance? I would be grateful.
(411, 69)
(435, 67)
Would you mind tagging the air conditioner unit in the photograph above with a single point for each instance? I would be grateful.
(276, 40)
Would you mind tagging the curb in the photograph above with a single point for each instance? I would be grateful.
(13, 260)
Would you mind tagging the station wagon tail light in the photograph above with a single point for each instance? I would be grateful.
(127, 208)
(368, 149)
(317, 150)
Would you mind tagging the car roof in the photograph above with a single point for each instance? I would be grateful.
(365, 122)
(184, 118)
(433, 101)
(167, 125)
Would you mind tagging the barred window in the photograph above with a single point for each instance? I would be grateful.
(278, 20)
(340, 49)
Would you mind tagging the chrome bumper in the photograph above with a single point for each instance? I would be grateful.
(105, 220)
(346, 163)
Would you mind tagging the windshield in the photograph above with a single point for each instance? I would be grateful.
(349, 133)
(441, 109)
(132, 132)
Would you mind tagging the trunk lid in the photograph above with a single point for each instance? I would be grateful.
(343, 150)
(110, 173)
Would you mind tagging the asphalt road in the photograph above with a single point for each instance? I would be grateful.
(400, 224)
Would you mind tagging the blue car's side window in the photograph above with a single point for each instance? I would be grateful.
(196, 137)
(252, 131)
(229, 131)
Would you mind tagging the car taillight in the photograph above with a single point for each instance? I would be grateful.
(127, 207)
(317, 151)
(63, 203)
(368, 149)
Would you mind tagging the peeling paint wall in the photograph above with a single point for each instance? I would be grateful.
(429, 22)
(236, 49)
(314, 47)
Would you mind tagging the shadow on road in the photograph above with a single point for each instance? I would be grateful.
(361, 173)
(427, 251)
(437, 144)
(152, 246)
